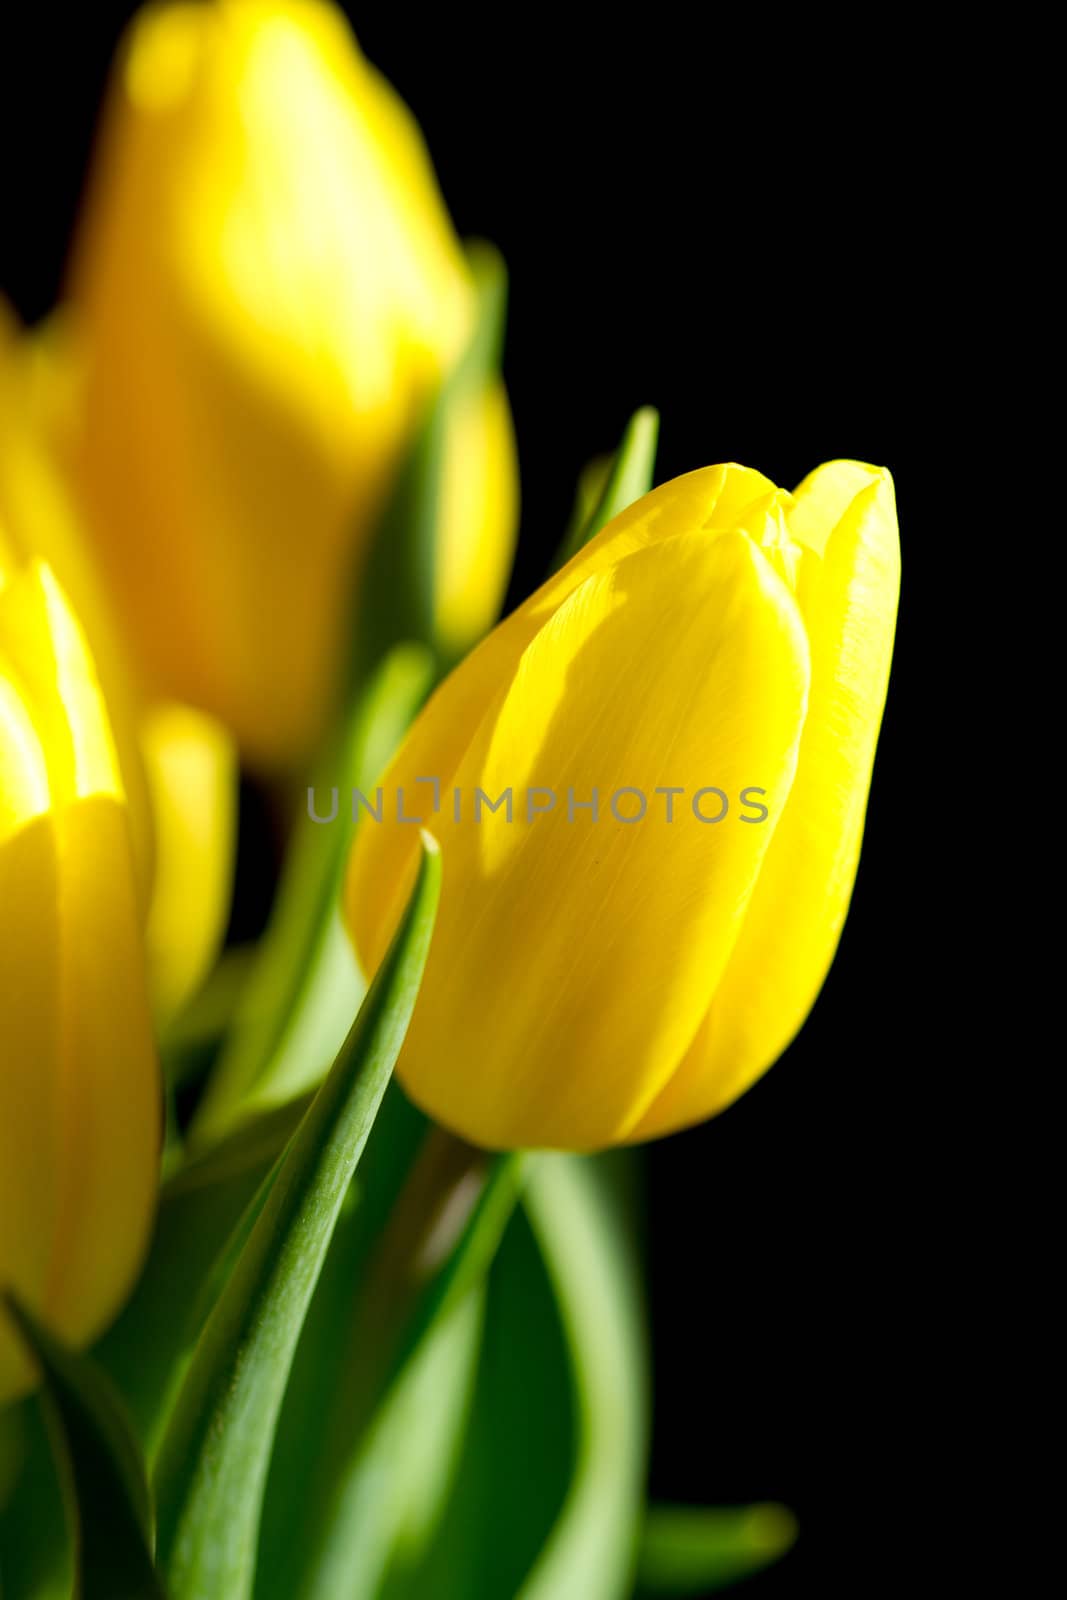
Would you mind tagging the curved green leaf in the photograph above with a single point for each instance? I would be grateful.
(335, 1337)
(692, 1550)
(518, 1453)
(356, 1482)
(396, 1482)
(468, 1260)
(101, 1470)
(605, 491)
(214, 1457)
(591, 1552)
(549, 1493)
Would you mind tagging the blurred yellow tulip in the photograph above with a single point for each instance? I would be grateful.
(178, 766)
(80, 1105)
(267, 291)
(685, 720)
(192, 778)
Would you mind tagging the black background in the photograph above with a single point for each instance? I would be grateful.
(752, 230)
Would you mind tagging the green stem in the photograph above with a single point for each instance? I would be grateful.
(439, 1244)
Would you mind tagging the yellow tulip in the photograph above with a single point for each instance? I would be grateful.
(267, 291)
(598, 979)
(177, 765)
(80, 1109)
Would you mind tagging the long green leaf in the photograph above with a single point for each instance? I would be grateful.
(147, 1349)
(518, 1453)
(397, 1480)
(624, 480)
(101, 1469)
(591, 1552)
(354, 1471)
(305, 983)
(465, 1265)
(692, 1550)
(548, 1496)
(213, 1461)
(335, 1337)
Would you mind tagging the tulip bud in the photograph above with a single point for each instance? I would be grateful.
(80, 1109)
(685, 720)
(268, 291)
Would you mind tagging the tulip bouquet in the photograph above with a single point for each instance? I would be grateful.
(317, 1254)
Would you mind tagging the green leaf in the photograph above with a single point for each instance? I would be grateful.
(549, 1491)
(421, 1429)
(603, 493)
(36, 1557)
(417, 1287)
(591, 481)
(335, 1337)
(213, 1461)
(465, 1265)
(690, 1550)
(396, 1479)
(101, 1469)
(12, 1449)
(518, 1454)
(148, 1348)
(304, 989)
(590, 1553)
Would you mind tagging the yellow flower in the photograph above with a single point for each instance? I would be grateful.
(600, 978)
(80, 1109)
(267, 290)
(177, 766)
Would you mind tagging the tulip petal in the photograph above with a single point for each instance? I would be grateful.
(794, 921)
(572, 970)
(37, 377)
(717, 499)
(30, 1151)
(79, 1094)
(109, 1517)
(23, 769)
(110, 1079)
(713, 499)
